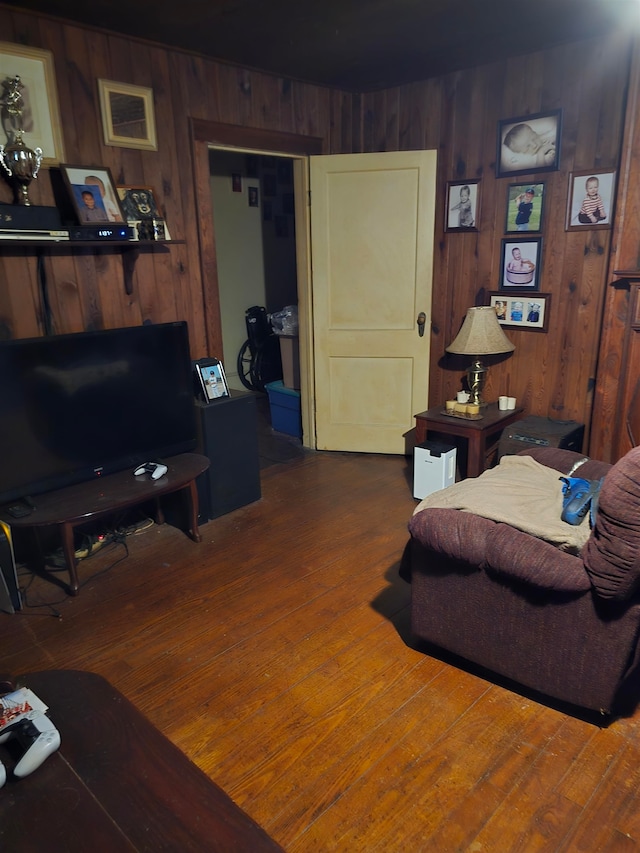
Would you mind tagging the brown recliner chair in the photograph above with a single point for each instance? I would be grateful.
(565, 625)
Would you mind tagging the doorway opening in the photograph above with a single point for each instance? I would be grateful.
(254, 215)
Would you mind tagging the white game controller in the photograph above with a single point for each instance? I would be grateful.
(40, 737)
(156, 469)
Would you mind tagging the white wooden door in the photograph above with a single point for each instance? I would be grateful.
(372, 231)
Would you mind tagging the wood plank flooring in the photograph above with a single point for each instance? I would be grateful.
(276, 654)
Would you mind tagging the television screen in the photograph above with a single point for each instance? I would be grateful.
(74, 407)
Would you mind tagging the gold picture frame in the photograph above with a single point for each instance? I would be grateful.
(41, 112)
(128, 119)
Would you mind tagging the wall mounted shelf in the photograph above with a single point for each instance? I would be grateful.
(130, 250)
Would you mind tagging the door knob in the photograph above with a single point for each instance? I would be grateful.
(422, 319)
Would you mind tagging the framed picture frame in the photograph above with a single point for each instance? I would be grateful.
(590, 199)
(93, 193)
(40, 108)
(212, 379)
(529, 144)
(520, 263)
(139, 203)
(253, 196)
(463, 203)
(525, 205)
(522, 309)
(128, 118)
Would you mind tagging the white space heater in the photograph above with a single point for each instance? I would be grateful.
(434, 468)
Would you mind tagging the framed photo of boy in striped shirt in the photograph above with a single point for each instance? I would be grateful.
(590, 200)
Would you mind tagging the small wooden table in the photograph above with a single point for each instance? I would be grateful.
(74, 505)
(116, 784)
(477, 432)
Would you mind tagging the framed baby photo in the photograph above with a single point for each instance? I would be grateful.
(524, 208)
(463, 206)
(590, 199)
(529, 144)
(520, 263)
(522, 310)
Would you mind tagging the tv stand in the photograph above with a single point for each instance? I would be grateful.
(67, 508)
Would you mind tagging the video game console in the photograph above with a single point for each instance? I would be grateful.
(23, 717)
(156, 469)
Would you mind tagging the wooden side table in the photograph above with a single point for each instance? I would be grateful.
(477, 432)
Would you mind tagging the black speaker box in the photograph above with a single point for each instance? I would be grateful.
(540, 432)
(228, 430)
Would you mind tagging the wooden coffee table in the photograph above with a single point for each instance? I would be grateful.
(116, 784)
(74, 505)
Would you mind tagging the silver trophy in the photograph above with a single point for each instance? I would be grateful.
(20, 162)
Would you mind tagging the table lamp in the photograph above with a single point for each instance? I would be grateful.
(480, 335)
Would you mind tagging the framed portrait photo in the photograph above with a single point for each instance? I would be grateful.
(590, 199)
(139, 203)
(520, 263)
(128, 120)
(212, 379)
(525, 203)
(92, 193)
(522, 310)
(463, 206)
(39, 100)
(529, 144)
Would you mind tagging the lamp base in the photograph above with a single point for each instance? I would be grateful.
(476, 377)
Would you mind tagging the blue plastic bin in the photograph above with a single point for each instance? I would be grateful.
(284, 404)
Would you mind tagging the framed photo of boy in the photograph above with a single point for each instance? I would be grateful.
(529, 144)
(93, 193)
(524, 208)
(590, 199)
(520, 264)
(212, 379)
(463, 206)
(522, 310)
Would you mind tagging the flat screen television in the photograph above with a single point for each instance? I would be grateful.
(75, 407)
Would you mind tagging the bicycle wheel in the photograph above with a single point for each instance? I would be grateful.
(243, 364)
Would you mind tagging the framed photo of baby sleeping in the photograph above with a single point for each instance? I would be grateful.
(529, 144)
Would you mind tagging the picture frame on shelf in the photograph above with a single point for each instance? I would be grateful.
(590, 199)
(93, 193)
(463, 206)
(212, 379)
(40, 107)
(525, 206)
(128, 118)
(520, 263)
(529, 144)
(522, 309)
(143, 213)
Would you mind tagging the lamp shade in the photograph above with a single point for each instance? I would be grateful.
(481, 334)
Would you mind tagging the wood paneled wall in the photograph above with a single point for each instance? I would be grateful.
(551, 374)
(86, 289)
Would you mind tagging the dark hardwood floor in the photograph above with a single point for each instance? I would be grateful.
(276, 654)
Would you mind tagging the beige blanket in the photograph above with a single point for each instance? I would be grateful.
(520, 492)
